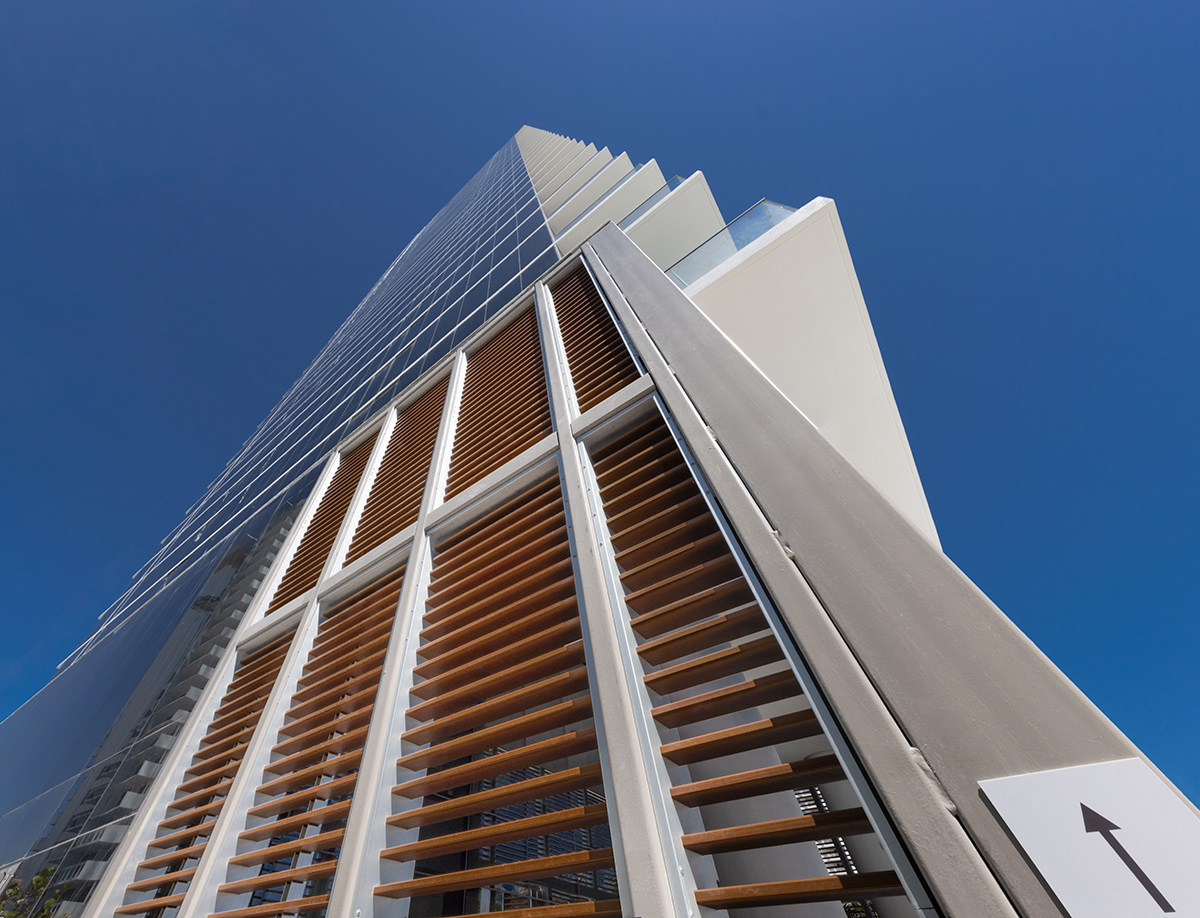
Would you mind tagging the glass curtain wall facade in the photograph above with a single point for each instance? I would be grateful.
(495, 613)
(136, 677)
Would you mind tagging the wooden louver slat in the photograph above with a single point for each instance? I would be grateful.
(602, 909)
(505, 406)
(747, 694)
(152, 905)
(308, 904)
(707, 652)
(803, 891)
(308, 560)
(304, 800)
(501, 717)
(199, 799)
(547, 823)
(599, 361)
(779, 832)
(530, 869)
(546, 785)
(400, 482)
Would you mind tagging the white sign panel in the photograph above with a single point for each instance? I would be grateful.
(1111, 839)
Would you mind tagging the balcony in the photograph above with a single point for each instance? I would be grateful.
(138, 779)
(736, 235)
(662, 192)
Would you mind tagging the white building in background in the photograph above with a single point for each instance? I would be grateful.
(586, 571)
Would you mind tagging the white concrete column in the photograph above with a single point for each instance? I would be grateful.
(653, 873)
(359, 869)
(341, 544)
(210, 873)
(266, 592)
(110, 891)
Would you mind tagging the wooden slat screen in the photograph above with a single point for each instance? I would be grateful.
(599, 361)
(505, 407)
(711, 661)
(183, 835)
(502, 744)
(304, 569)
(400, 483)
(290, 848)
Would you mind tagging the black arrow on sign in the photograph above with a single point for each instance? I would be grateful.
(1094, 822)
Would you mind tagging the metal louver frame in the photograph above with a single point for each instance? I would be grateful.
(304, 569)
(399, 484)
(296, 828)
(505, 407)
(505, 762)
(738, 732)
(600, 364)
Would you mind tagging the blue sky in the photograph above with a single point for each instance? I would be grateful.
(194, 195)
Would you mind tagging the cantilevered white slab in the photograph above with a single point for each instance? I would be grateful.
(615, 205)
(546, 155)
(581, 173)
(599, 185)
(678, 223)
(791, 301)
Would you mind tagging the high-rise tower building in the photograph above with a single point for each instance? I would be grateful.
(586, 571)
